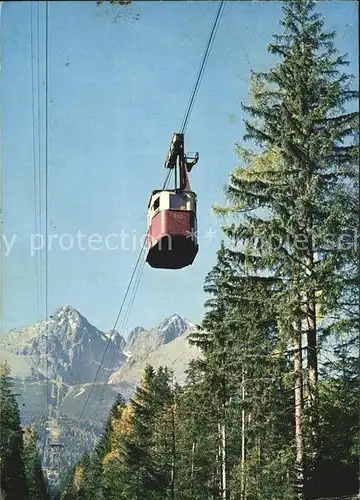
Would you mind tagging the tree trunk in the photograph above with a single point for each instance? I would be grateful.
(137, 482)
(311, 336)
(173, 452)
(299, 466)
(223, 482)
(312, 363)
(259, 474)
(225, 495)
(243, 492)
(192, 469)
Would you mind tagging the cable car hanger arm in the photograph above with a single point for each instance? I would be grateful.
(178, 160)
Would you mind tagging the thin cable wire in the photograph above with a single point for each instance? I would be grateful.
(40, 206)
(167, 180)
(1, 210)
(40, 164)
(114, 328)
(34, 154)
(46, 158)
(36, 174)
(202, 66)
(39, 153)
(122, 330)
(199, 76)
(46, 153)
(129, 308)
(40, 184)
(207, 57)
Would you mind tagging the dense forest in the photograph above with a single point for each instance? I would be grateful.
(20, 463)
(271, 409)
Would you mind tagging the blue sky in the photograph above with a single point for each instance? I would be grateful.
(118, 89)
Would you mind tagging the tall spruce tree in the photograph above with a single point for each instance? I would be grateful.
(77, 487)
(139, 445)
(295, 195)
(244, 374)
(196, 437)
(117, 480)
(96, 477)
(34, 475)
(140, 449)
(12, 471)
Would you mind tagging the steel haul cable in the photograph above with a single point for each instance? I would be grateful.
(122, 329)
(200, 73)
(114, 328)
(46, 202)
(39, 150)
(35, 175)
(40, 204)
(36, 168)
(1, 210)
(202, 65)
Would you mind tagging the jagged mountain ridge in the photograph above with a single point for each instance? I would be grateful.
(142, 341)
(74, 347)
(176, 355)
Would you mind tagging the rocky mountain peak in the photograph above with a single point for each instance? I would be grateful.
(176, 324)
(70, 314)
(67, 345)
(68, 324)
(141, 341)
(135, 333)
(116, 338)
(67, 310)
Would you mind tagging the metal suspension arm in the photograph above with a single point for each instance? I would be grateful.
(177, 159)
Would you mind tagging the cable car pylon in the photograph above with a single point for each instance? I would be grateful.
(53, 434)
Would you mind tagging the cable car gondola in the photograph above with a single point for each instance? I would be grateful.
(172, 224)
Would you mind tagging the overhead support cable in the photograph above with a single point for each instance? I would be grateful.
(114, 328)
(202, 67)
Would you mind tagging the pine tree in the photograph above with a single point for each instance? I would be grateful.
(196, 437)
(117, 480)
(136, 454)
(149, 450)
(104, 446)
(68, 487)
(34, 475)
(163, 434)
(295, 195)
(12, 471)
(138, 446)
(245, 374)
(339, 409)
